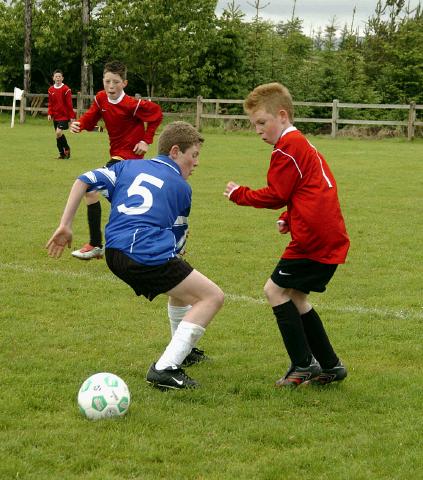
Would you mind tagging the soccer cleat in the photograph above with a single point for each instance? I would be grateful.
(195, 356)
(169, 378)
(296, 376)
(61, 156)
(66, 153)
(87, 252)
(329, 375)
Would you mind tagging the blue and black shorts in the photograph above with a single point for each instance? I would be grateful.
(147, 280)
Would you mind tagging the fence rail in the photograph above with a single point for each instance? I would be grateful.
(32, 103)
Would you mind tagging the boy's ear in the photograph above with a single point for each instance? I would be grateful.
(173, 152)
(284, 115)
(125, 82)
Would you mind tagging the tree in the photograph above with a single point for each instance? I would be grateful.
(160, 40)
(227, 56)
(12, 41)
(392, 51)
(57, 32)
(84, 47)
(258, 30)
(28, 45)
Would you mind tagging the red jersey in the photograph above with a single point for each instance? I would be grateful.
(300, 178)
(124, 119)
(60, 103)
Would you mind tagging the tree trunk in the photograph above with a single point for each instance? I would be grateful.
(27, 46)
(84, 60)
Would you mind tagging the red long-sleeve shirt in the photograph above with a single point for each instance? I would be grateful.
(300, 178)
(60, 103)
(124, 120)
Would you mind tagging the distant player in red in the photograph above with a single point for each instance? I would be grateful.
(131, 124)
(300, 179)
(60, 110)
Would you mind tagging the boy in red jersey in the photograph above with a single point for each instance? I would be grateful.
(300, 179)
(125, 118)
(60, 110)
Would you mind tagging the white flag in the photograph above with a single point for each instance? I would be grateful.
(17, 93)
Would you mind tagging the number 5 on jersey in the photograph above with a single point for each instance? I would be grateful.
(137, 189)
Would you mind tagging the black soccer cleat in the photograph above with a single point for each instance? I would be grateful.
(195, 356)
(169, 378)
(296, 376)
(329, 375)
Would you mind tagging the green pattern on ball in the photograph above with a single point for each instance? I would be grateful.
(86, 386)
(99, 403)
(123, 404)
(111, 382)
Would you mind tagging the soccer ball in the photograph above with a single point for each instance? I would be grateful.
(103, 395)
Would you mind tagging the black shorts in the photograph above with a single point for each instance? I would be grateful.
(62, 124)
(112, 161)
(147, 280)
(303, 274)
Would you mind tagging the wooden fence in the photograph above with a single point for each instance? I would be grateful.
(200, 109)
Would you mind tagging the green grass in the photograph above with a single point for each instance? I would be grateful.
(62, 320)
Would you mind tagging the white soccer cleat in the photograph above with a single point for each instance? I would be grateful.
(87, 252)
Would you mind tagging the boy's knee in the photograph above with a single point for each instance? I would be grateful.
(219, 298)
(270, 289)
(275, 295)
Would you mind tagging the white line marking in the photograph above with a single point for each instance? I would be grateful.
(359, 309)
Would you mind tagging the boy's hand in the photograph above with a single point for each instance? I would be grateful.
(57, 243)
(230, 187)
(49, 118)
(75, 127)
(141, 148)
(283, 227)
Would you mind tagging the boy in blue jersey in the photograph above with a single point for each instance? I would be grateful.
(147, 198)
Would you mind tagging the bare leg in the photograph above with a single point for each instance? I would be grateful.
(206, 299)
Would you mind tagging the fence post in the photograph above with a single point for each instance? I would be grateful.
(199, 112)
(335, 117)
(22, 107)
(216, 111)
(411, 120)
(79, 105)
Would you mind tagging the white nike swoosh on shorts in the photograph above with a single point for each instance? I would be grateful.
(284, 273)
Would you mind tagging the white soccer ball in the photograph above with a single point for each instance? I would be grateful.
(103, 395)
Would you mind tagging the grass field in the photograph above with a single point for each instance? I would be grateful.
(62, 320)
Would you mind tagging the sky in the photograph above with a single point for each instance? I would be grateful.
(314, 13)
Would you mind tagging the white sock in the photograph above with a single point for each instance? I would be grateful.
(176, 314)
(185, 338)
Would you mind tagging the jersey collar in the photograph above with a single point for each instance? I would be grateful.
(167, 161)
(119, 99)
(284, 132)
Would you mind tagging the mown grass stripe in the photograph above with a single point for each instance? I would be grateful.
(357, 309)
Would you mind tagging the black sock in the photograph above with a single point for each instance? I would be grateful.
(292, 331)
(94, 224)
(65, 143)
(59, 145)
(318, 340)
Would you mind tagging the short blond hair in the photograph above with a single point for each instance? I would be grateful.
(272, 97)
(182, 134)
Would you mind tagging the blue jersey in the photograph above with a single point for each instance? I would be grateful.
(150, 203)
